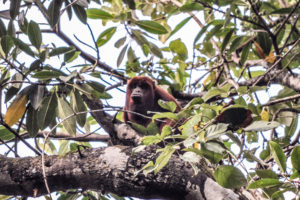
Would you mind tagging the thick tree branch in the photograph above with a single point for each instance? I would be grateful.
(112, 169)
(276, 76)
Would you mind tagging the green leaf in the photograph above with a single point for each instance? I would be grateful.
(230, 177)
(120, 42)
(155, 50)
(226, 39)
(188, 127)
(235, 43)
(151, 139)
(296, 158)
(121, 55)
(262, 126)
(189, 7)
(211, 93)
(265, 42)
(96, 86)
(283, 11)
(278, 155)
(94, 13)
(65, 111)
(179, 26)
(34, 34)
(7, 43)
(168, 105)
(80, 13)
(245, 53)
(213, 157)
(32, 121)
(152, 27)
(163, 158)
(178, 47)
(190, 157)
(14, 8)
(295, 175)
(46, 112)
(24, 47)
(103, 95)
(213, 31)
(71, 56)
(46, 75)
(105, 36)
(63, 148)
(166, 130)
(266, 173)
(36, 95)
(78, 106)
(198, 36)
(54, 12)
(2, 29)
(266, 182)
(5, 134)
(167, 115)
(216, 130)
(61, 50)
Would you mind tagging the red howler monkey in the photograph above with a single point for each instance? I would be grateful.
(141, 96)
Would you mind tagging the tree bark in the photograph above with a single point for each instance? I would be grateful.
(111, 169)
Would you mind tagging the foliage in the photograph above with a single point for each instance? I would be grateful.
(238, 50)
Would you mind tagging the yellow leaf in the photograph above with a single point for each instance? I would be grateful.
(259, 50)
(264, 115)
(196, 145)
(271, 57)
(16, 110)
(195, 128)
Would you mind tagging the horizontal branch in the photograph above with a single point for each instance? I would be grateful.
(111, 169)
(276, 76)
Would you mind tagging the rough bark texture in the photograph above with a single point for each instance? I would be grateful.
(110, 169)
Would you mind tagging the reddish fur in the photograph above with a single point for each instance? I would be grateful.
(149, 102)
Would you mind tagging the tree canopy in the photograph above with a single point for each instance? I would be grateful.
(232, 64)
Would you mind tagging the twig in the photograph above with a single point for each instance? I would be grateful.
(282, 100)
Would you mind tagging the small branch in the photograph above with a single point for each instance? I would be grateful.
(290, 98)
(20, 138)
(282, 24)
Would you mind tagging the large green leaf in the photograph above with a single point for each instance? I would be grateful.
(230, 177)
(5, 134)
(6, 44)
(152, 27)
(64, 112)
(226, 39)
(80, 13)
(94, 13)
(34, 34)
(14, 8)
(32, 121)
(78, 106)
(24, 47)
(266, 182)
(61, 50)
(105, 36)
(278, 155)
(178, 47)
(296, 158)
(46, 112)
(168, 105)
(54, 12)
(262, 126)
(47, 74)
(36, 95)
(163, 158)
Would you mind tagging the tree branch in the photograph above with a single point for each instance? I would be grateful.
(112, 169)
